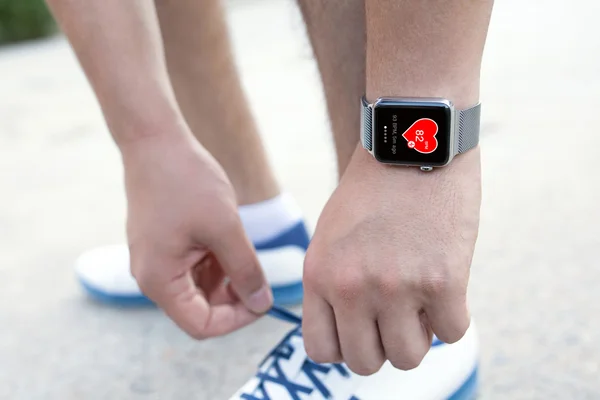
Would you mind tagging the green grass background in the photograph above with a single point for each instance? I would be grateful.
(24, 20)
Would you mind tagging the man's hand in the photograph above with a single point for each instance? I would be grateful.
(185, 237)
(389, 263)
(184, 232)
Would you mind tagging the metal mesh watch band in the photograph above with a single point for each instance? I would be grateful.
(467, 125)
(366, 125)
(467, 129)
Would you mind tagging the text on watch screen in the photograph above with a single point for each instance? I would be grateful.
(412, 134)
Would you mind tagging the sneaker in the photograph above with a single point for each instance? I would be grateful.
(448, 372)
(105, 275)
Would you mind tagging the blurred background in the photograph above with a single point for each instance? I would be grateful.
(536, 274)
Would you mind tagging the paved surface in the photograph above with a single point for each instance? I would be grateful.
(535, 276)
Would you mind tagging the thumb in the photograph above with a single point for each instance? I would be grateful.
(237, 257)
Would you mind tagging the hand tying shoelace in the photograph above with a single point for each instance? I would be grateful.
(284, 315)
(289, 373)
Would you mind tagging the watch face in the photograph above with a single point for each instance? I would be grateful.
(412, 133)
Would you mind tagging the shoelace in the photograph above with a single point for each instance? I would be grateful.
(284, 351)
(284, 315)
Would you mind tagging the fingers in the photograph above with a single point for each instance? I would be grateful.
(360, 342)
(319, 329)
(405, 338)
(209, 278)
(223, 294)
(193, 314)
(189, 284)
(449, 317)
(237, 257)
(184, 303)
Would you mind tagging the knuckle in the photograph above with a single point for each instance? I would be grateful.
(321, 354)
(221, 225)
(248, 274)
(405, 365)
(366, 368)
(347, 286)
(450, 338)
(436, 282)
(197, 327)
(434, 285)
(197, 334)
(453, 334)
(227, 222)
(342, 284)
(388, 285)
(408, 360)
(144, 280)
(139, 271)
(312, 268)
(135, 263)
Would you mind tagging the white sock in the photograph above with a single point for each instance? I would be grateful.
(270, 218)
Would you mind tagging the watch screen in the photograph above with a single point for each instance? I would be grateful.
(412, 134)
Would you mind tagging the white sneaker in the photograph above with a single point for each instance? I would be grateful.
(448, 372)
(104, 272)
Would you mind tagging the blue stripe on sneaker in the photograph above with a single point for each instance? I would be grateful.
(288, 295)
(285, 315)
(297, 235)
(468, 390)
(120, 300)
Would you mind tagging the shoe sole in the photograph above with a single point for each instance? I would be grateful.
(286, 295)
(468, 390)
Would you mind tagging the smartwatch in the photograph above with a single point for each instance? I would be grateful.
(422, 132)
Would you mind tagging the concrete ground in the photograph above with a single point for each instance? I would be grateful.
(535, 279)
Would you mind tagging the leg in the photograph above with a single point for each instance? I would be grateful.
(208, 90)
(337, 33)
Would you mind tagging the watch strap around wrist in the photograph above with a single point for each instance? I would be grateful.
(467, 127)
(366, 124)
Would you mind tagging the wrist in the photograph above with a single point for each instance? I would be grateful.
(160, 147)
(150, 118)
(467, 165)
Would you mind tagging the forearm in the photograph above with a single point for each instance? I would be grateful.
(118, 45)
(426, 48)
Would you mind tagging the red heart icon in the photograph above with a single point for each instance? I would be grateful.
(421, 136)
